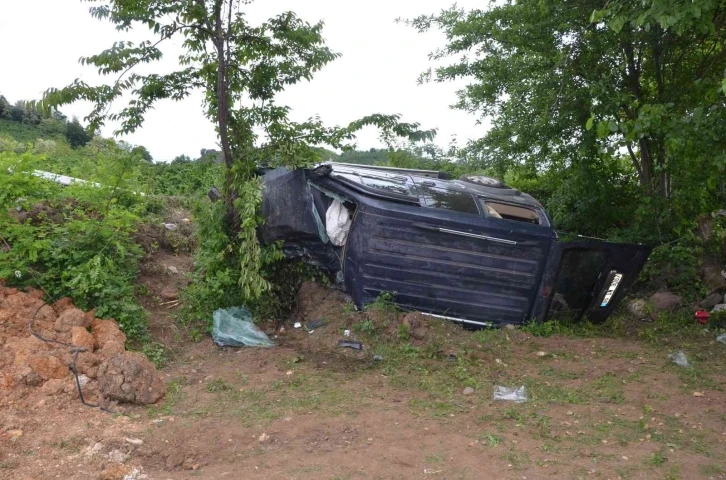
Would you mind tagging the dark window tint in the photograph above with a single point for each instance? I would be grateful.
(579, 272)
(448, 199)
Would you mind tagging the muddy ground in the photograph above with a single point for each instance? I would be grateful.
(415, 403)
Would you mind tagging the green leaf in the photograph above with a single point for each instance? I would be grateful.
(602, 129)
(590, 121)
(723, 85)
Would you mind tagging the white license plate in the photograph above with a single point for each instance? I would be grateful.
(611, 290)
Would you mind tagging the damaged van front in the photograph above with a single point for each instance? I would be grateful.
(471, 250)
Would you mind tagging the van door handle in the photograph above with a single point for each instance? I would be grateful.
(464, 234)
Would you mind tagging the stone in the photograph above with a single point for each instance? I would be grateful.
(175, 459)
(134, 441)
(62, 305)
(638, 307)
(130, 377)
(52, 387)
(48, 367)
(173, 269)
(169, 294)
(72, 317)
(14, 434)
(419, 333)
(117, 456)
(664, 301)
(264, 438)
(510, 326)
(718, 308)
(468, 391)
(81, 337)
(711, 301)
(105, 331)
(110, 349)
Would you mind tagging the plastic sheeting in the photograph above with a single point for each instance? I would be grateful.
(233, 327)
(337, 223)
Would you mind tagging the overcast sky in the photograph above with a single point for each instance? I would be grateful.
(41, 41)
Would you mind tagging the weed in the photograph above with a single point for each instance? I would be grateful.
(492, 440)
(218, 385)
(657, 459)
(157, 353)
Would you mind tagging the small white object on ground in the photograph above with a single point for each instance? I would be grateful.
(298, 325)
(512, 394)
(346, 333)
(679, 358)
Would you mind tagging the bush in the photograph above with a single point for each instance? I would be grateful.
(75, 241)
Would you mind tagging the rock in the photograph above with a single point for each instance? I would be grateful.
(264, 438)
(711, 301)
(189, 464)
(14, 434)
(117, 456)
(105, 331)
(174, 459)
(173, 269)
(130, 377)
(468, 391)
(134, 441)
(82, 338)
(111, 348)
(510, 326)
(638, 307)
(72, 317)
(719, 307)
(52, 387)
(88, 363)
(48, 367)
(169, 294)
(116, 472)
(32, 379)
(664, 301)
(62, 305)
(95, 449)
(419, 333)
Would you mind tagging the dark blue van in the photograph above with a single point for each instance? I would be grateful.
(470, 250)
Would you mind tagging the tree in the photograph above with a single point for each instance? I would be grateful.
(76, 135)
(241, 68)
(142, 152)
(575, 83)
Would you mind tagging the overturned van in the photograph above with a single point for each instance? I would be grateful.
(471, 250)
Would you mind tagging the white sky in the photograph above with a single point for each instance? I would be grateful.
(41, 41)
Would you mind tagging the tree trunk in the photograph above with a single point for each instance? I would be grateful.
(223, 114)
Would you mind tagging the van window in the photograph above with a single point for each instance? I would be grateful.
(448, 199)
(510, 212)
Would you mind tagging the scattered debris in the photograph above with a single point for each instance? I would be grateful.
(297, 325)
(512, 394)
(171, 226)
(468, 391)
(378, 358)
(721, 338)
(698, 394)
(346, 333)
(311, 326)
(541, 354)
(233, 327)
(701, 317)
(718, 308)
(354, 344)
(679, 358)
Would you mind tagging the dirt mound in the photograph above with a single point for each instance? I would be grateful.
(30, 367)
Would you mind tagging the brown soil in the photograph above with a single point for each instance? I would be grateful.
(306, 409)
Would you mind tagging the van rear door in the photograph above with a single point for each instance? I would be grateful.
(592, 277)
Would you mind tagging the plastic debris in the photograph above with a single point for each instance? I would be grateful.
(233, 327)
(719, 307)
(679, 358)
(721, 338)
(346, 333)
(354, 344)
(378, 358)
(297, 325)
(214, 194)
(511, 394)
(701, 317)
(171, 226)
(311, 326)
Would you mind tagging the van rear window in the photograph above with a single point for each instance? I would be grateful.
(510, 212)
